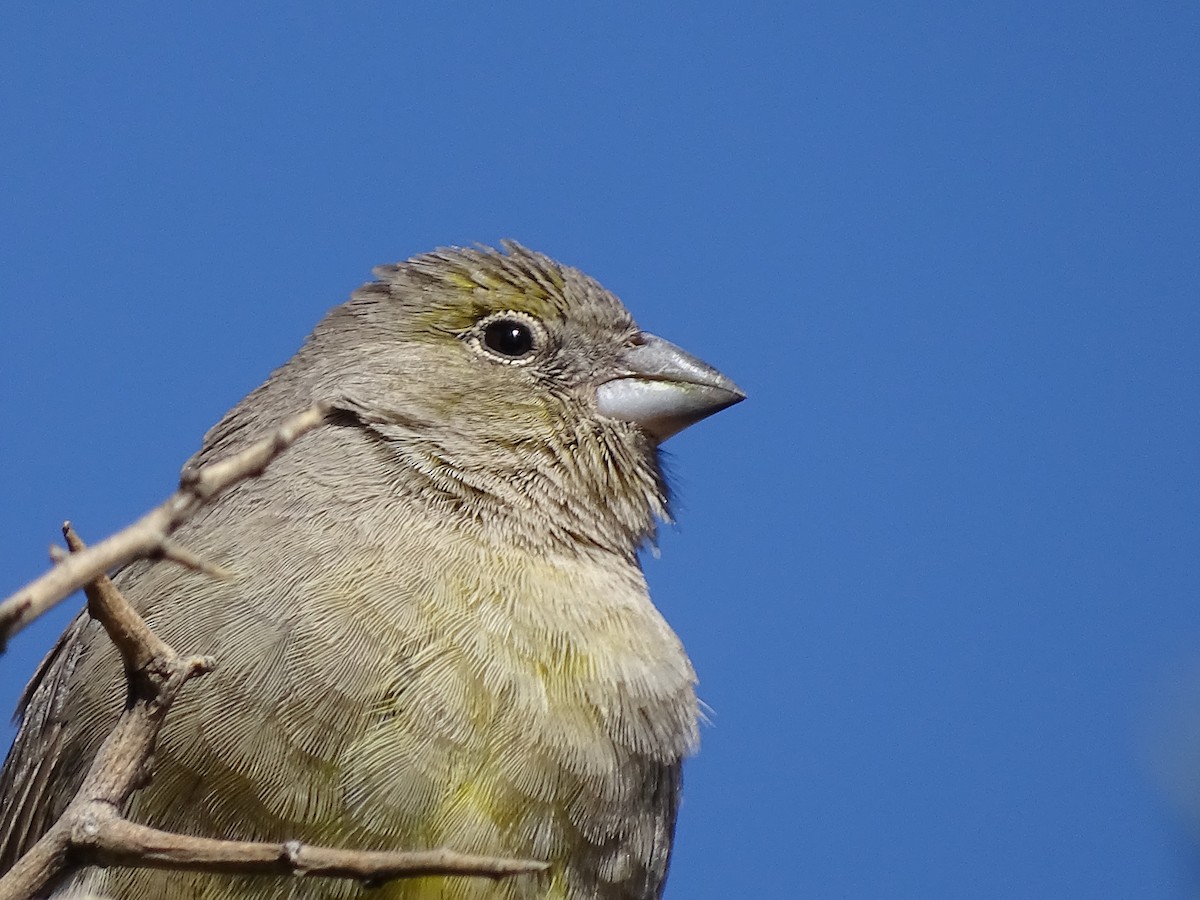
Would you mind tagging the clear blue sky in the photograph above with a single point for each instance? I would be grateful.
(939, 574)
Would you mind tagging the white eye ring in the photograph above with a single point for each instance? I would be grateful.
(510, 337)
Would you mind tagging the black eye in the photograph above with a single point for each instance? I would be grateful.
(508, 337)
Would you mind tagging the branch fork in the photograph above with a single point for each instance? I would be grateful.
(93, 831)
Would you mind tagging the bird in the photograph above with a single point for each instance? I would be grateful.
(435, 630)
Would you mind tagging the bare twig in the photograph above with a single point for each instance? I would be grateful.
(139, 647)
(149, 537)
(171, 549)
(155, 673)
(116, 841)
(92, 830)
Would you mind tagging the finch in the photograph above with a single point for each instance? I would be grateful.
(436, 631)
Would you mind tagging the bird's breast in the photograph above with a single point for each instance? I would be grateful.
(511, 684)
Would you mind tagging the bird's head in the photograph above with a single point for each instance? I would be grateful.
(509, 381)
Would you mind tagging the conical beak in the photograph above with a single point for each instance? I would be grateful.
(664, 389)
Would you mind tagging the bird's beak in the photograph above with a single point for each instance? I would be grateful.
(663, 389)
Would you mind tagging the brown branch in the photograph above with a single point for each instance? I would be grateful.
(149, 537)
(155, 673)
(92, 830)
(138, 645)
(116, 841)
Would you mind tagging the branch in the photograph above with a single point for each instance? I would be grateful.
(117, 841)
(150, 536)
(92, 830)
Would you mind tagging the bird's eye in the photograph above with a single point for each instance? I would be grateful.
(511, 338)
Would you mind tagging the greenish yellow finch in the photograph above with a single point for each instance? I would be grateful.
(437, 632)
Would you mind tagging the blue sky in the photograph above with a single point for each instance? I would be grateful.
(938, 574)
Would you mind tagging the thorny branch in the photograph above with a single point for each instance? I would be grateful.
(92, 830)
(150, 536)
